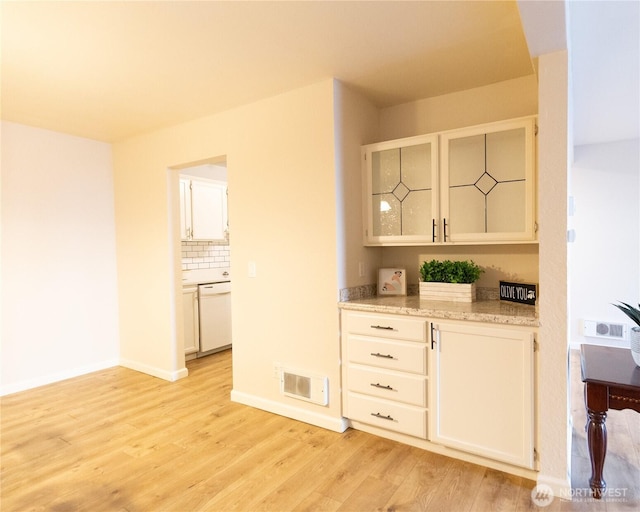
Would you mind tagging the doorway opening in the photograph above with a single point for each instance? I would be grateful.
(202, 258)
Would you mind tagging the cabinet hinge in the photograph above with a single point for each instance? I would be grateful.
(535, 345)
(535, 130)
(535, 455)
(535, 227)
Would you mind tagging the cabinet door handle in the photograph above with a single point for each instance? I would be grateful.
(378, 354)
(386, 328)
(433, 337)
(433, 230)
(378, 385)
(381, 416)
(444, 224)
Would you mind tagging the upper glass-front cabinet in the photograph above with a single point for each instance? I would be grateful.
(402, 190)
(482, 191)
(488, 184)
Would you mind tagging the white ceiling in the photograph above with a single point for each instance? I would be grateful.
(110, 70)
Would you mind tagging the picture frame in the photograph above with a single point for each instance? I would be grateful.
(392, 281)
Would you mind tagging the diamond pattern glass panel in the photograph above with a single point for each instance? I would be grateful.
(506, 209)
(487, 182)
(416, 212)
(401, 189)
(505, 154)
(416, 166)
(386, 170)
(387, 215)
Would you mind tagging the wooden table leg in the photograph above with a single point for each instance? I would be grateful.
(597, 442)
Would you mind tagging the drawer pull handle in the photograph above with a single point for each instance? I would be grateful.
(386, 328)
(378, 385)
(381, 416)
(378, 354)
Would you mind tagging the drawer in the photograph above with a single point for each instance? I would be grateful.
(387, 326)
(395, 355)
(400, 387)
(402, 418)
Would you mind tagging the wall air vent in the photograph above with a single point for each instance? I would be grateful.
(304, 386)
(612, 331)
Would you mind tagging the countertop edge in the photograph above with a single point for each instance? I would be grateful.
(494, 318)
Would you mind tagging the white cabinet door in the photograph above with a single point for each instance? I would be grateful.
(208, 210)
(191, 325)
(401, 190)
(185, 209)
(487, 182)
(203, 210)
(481, 391)
(472, 185)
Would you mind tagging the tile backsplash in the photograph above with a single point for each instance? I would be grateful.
(205, 255)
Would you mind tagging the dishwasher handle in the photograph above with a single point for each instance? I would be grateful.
(214, 288)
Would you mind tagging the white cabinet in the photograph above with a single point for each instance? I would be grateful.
(457, 385)
(191, 321)
(401, 190)
(473, 185)
(487, 187)
(385, 372)
(203, 210)
(481, 391)
(185, 209)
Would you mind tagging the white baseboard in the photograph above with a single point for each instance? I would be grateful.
(171, 376)
(24, 385)
(313, 418)
(561, 487)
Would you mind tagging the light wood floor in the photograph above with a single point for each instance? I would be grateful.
(118, 440)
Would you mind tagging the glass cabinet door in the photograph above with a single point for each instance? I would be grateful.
(402, 190)
(487, 183)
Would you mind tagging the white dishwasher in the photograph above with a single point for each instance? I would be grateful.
(215, 317)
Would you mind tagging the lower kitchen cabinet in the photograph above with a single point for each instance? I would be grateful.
(191, 323)
(461, 385)
(482, 391)
(385, 367)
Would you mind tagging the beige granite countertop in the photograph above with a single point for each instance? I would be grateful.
(491, 311)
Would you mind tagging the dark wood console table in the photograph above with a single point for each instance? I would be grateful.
(611, 381)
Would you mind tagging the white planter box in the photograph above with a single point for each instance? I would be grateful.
(448, 291)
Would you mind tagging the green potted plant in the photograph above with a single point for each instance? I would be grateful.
(449, 280)
(634, 314)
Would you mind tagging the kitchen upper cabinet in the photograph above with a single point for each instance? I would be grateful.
(481, 391)
(472, 185)
(488, 185)
(402, 190)
(203, 210)
(185, 209)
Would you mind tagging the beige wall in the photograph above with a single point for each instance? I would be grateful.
(502, 100)
(283, 216)
(500, 262)
(356, 124)
(553, 373)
